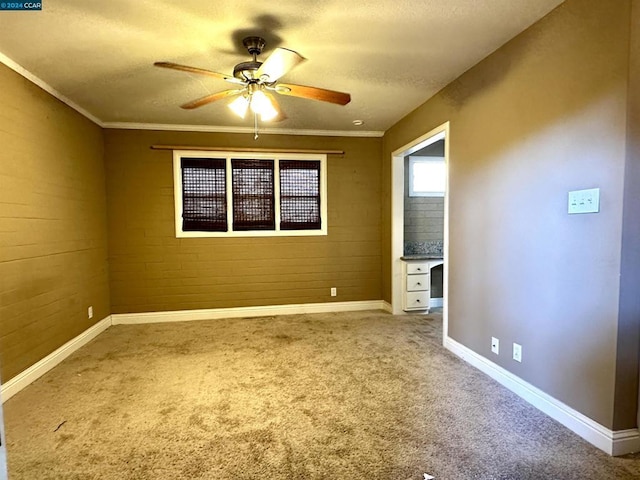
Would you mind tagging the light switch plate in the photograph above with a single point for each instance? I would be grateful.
(517, 352)
(584, 201)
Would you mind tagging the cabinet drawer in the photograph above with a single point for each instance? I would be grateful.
(417, 267)
(417, 300)
(418, 282)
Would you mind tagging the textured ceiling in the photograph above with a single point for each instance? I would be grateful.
(390, 55)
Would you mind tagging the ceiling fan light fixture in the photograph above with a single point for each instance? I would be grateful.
(268, 115)
(263, 106)
(240, 106)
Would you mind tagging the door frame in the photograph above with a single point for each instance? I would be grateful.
(397, 217)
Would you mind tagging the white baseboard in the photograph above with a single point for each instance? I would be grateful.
(436, 302)
(613, 443)
(35, 371)
(387, 307)
(624, 441)
(237, 312)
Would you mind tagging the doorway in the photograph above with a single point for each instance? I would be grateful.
(397, 216)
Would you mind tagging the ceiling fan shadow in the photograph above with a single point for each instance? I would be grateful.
(264, 26)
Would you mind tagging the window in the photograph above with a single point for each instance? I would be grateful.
(427, 176)
(253, 195)
(204, 202)
(231, 194)
(299, 195)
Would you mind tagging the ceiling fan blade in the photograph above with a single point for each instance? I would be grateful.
(279, 63)
(200, 71)
(313, 93)
(212, 98)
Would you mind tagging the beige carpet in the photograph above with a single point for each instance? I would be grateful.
(337, 396)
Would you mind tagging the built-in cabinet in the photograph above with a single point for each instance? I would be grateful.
(416, 289)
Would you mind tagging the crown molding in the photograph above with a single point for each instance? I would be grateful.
(169, 127)
(48, 88)
(222, 129)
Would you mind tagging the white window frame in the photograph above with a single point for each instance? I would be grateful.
(276, 157)
(422, 160)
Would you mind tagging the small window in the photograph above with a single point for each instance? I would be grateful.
(232, 195)
(300, 195)
(204, 194)
(253, 195)
(427, 176)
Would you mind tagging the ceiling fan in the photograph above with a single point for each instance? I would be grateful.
(256, 81)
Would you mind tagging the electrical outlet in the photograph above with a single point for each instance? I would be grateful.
(517, 352)
(495, 345)
(90, 312)
(334, 292)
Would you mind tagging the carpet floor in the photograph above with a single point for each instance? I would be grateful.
(362, 395)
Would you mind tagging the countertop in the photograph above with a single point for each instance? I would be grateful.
(421, 257)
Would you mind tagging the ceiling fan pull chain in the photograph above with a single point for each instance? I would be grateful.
(255, 126)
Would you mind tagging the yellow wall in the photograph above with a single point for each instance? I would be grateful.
(543, 115)
(53, 237)
(152, 270)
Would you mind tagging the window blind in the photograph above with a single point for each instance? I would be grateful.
(253, 194)
(204, 194)
(299, 195)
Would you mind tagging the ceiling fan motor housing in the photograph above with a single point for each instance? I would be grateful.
(246, 70)
(254, 45)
